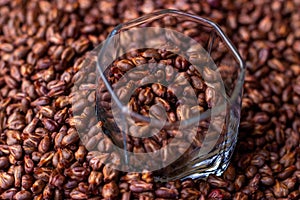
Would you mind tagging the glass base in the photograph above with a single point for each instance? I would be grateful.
(216, 162)
(213, 163)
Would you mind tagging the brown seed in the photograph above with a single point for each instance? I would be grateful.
(150, 145)
(37, 187)
(140, 186)
(49, 124)
(44, 144)
(36, 156)
(124, 65)
(280, 189)
(151, 53)
(204, 187)
(6, 180)
(18, 170)
(57, 179)
(81, 46)
(70, 138)
(13, 137)
(239, 182)
(26, 181)
(265, 24)
(40, 48)
(167, 193)
(250, 171)
(276, 64)
(240, 196)
(6, 47)
(216, 181)
(8, 194)
(80, 153)
(126, 195)
(41, 101)
(75, 194)
(138, 60)
(197, 83)
(287, 172)
(46, 159)
(294, 195)
(15, 72)
(296, 46)
(29, 165)
(4, 163)
(160, 75)
(109, 173)
(267, 180)
(181, 63)
(210, 96)
(11, 82)
(56, 89)
(95, 178)
(290, 182)
(16, 151)
(21, 52)
(77, 173)
(183, 112)
(187, 193)
(158, 89)
(23, 195)
(287, 159)
(68, 54)
(258, 160)
(46, 111)
(110, 190)
(145, 96)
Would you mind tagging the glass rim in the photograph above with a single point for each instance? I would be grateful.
(157, 15)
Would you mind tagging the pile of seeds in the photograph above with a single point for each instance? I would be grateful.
(150, 88)
(41, 48)
(165, 87)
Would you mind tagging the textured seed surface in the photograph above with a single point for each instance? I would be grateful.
(42, 45)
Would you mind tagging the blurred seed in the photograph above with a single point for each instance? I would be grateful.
(250, 171)
(230, 173)
(70, 138)
(197, 83)
(167, 193)
(16, 151)
(190, 193)
(8, 194)
(23, 195)
(6, 47)
(267, 180)
(6, 180)
(287, 172)
(151, 53)
(40, 48)
(67, 54)
(280, 190)
(216, 181)
(239, 182)
(110, 190)
(37, 187)
(80, 153)
(26, 181)
(95, 178)
(124, 65)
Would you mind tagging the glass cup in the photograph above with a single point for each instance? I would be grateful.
(168, 92)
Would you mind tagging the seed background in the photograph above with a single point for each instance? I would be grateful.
(42, 45)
